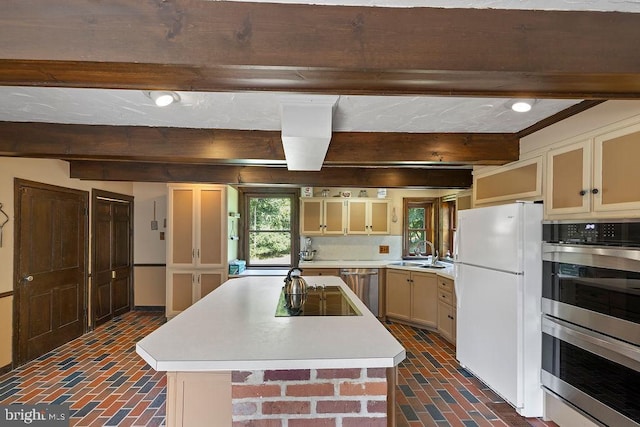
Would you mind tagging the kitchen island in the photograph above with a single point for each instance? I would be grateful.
(229, 359)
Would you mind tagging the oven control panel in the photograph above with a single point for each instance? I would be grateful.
(593, 233)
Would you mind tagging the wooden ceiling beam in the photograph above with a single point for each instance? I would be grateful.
(233, 46)
(245, 175)
(181, 145)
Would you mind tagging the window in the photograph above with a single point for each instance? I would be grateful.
(270, 228)
(418, 226)
(447, 225)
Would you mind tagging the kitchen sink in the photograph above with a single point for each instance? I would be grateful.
(407, 264)
(436, 265)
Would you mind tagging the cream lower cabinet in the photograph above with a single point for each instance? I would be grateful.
(199, 399)
(184, 288)
(596, 176)
(196, 243)
(412, 297)
(446, 309)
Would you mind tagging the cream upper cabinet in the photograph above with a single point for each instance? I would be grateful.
(368, 216)
(196, 236)
(569, 179)
(616, 171)
(517, 181)
(322, 216)
(596, 176)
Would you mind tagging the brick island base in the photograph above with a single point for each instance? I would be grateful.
(354, 397)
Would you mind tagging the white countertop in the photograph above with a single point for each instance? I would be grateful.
(445, 272)
(345, 264)
(235, 328)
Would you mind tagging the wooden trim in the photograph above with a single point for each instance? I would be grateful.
(392, 381)
(209, 146)
(6, 368)
(243, 175)
(559, 116)
(225, 46)
(149, 265)
(151, 308)
(6, 294)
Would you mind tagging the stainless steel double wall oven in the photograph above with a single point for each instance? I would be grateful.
(591, 318)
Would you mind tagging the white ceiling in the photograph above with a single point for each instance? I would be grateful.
(260, 111)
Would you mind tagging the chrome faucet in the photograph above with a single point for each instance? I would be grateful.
(434, 252)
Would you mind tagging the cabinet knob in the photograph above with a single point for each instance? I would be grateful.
(595, 191)
(583, 192)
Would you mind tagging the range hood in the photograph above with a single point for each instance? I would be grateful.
(306, 130)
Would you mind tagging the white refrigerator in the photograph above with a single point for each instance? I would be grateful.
(498, 281)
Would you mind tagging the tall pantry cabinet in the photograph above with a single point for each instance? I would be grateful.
(196, 243)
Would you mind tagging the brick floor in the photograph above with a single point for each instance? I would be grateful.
(107, 384)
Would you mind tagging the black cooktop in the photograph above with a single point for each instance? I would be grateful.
(319, 301)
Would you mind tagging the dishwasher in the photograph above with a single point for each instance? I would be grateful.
(364, 283)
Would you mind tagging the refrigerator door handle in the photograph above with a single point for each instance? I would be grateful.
(456, 286)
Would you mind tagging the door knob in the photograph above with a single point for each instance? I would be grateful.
(28, 279)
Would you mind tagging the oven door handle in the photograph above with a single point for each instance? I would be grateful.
(617, 258)
(602, 345)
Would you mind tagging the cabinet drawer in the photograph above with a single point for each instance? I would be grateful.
(446, 297)
(320, 271)
(445, 284)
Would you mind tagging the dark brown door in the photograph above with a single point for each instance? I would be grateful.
(51, 253)
(112, 255)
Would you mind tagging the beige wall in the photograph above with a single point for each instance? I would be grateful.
(148, 246)
(54, 172)
(149, 286)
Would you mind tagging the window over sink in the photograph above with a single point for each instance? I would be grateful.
(419, 225)
(428, 219)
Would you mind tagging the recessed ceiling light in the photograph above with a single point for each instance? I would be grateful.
(162, 98)
(521, 105)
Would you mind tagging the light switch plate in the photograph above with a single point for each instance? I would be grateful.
(384, 249)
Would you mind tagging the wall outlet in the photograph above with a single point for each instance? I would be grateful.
(384, 249)
(162, 235)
